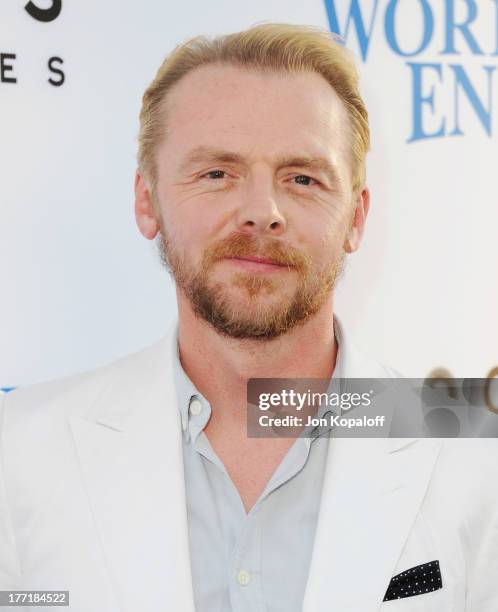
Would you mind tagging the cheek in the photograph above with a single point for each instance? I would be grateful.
(329, 250)
(323, 242)
(190, 212)
(190, 235)
(324, 216)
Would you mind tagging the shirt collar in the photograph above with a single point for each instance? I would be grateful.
(195, 410)
(190, 400)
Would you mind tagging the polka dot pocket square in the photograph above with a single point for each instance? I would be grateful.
(415, 581)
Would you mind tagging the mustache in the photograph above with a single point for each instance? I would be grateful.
(245, 245)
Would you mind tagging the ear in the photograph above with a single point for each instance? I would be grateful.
(145, 214)
(357, 226)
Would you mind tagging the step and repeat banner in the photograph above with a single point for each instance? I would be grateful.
(80, 286)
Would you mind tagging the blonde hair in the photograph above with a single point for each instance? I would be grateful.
(267, 47)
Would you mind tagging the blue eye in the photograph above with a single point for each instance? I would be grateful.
(215, 174)
(303, 179)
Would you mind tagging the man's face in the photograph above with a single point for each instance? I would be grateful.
(253, 199)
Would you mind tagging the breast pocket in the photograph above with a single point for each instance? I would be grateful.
(417, 588)
(437, 601)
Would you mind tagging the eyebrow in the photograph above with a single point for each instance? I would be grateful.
(210, 155)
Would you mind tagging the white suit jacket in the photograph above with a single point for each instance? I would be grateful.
(92, 500)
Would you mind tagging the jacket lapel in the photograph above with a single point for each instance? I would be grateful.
(372, 491)
(130, 450)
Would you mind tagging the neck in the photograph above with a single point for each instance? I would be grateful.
(220, 367)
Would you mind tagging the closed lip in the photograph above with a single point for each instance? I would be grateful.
(261, 260)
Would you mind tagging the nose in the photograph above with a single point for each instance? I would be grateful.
(258, 212)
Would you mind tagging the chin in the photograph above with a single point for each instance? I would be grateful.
(259, 299)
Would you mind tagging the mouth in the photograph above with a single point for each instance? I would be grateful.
(258, 264)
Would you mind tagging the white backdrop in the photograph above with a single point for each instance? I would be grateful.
(80, 286)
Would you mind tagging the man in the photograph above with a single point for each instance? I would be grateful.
(136, 487)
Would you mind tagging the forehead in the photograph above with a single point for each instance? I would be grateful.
(256, 112)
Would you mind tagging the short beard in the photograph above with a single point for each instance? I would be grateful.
(211, 303)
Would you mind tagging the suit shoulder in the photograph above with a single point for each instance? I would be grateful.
(475, 458)
(467, 470)
(70, 395)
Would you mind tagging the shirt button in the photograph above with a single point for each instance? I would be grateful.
(243, 577)
(195, 407)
